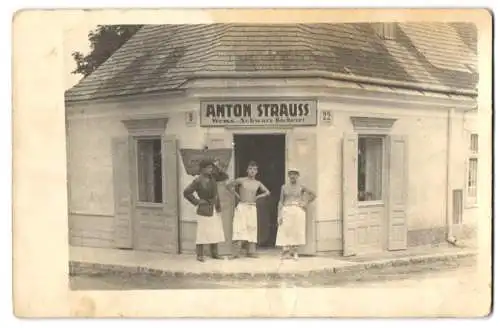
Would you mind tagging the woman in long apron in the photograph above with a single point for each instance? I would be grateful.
(292, 215)
(209, 229)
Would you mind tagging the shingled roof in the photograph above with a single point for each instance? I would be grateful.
(164, 57)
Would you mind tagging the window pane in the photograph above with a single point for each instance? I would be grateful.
(472, 179)
(474, 143)
(370, 156)
(149, 165)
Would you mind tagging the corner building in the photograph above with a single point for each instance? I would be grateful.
(379, 118)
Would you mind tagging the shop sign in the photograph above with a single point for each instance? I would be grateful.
(259, 113)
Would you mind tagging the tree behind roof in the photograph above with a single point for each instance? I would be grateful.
(104, 41)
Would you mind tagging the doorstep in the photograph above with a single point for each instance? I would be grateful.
(103, 260)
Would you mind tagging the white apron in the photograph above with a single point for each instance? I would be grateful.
(292, 232)
(245, 223)
(209, 229)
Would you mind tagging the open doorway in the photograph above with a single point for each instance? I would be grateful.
(268, 150)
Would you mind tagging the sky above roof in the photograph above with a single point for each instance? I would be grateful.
(75, 39)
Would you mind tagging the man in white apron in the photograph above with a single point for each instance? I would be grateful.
(292, 214)
(245, 213)
(209, 229)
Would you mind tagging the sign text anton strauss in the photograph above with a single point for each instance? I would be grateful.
(271, 112)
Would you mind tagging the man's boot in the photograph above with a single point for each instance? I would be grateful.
(252, 250)
(295, 252)
(236, 249)
(214, 252)
(199, 253)
(284, 252)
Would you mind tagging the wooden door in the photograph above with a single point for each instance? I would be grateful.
(363, 219)
(350, 219)
(122, 226)
(224, 141)
(398, 193)
(156, 225)
(170, 154)
(301, 153)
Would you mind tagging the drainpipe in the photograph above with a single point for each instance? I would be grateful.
(449, 219)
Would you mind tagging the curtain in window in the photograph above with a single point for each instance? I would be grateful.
(146, 171)
(373, 182)
(472, 183)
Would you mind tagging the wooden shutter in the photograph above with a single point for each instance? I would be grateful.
(350, 193)
(398, 192)
(301, 153)
(219, 141)
(170, 193)
(122, 228)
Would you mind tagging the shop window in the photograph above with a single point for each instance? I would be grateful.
(149, 170)
(370, 168)
(472, 170)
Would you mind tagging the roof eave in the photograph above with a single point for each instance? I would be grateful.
(297, 74)
(335, 76)
(118, 98)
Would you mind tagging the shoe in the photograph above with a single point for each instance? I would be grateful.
(214, 252)
(237, 245)
(251, 250)
(199, 253)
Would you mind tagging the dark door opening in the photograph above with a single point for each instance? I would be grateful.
(268, 150)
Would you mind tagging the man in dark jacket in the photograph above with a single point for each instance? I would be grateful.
(209, 229)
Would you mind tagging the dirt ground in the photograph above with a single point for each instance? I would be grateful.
(404, 276)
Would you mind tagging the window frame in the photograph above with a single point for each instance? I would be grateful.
(141, 128)
(473, 154)
(376, 127)
(383, 192)
(137, 139)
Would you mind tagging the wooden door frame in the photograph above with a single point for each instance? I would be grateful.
(382, 127)
(285, 132)
(263, 131)
(385, 183)
(143, 127)
(243, 130)
(288, 132)
(386, 151)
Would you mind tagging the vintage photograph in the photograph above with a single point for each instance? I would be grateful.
(222, 156)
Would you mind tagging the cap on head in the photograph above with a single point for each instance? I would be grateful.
(253, 164)
(293, 170)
